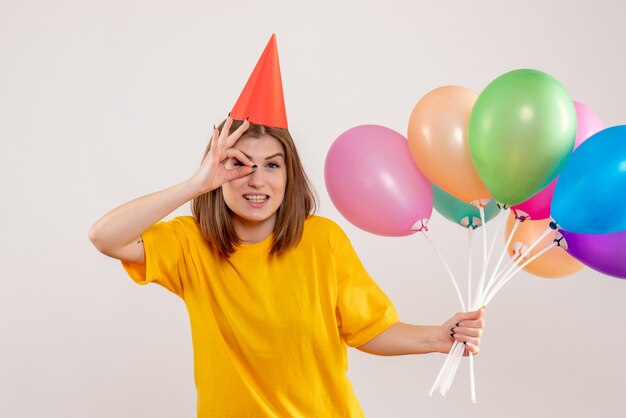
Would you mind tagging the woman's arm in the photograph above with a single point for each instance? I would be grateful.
(402, 338)
(118, 233)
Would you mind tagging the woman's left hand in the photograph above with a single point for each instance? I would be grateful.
(466, 328)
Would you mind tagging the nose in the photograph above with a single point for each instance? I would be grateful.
(256, 179)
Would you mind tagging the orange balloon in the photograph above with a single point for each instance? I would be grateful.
(554, 263)
(437, 137)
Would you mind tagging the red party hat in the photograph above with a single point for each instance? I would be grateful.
(262, 98)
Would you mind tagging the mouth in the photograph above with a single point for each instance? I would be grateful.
(256, 198)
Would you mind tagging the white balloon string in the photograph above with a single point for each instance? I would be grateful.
(442, 369)
(469, 303)
(495, 272)
(527, 251)
(483, 270)
(472, 378)
(481, 291)
(523, 256)
(517, 270)
(445, 263)
(481, 210)
(482, 297)
(456, 360)
(450, 370)
(469, 265)
(514, 261)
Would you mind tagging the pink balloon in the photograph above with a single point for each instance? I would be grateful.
(588, 123)
(374, 183)
(538, 206)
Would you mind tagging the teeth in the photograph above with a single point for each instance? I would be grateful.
(256, 198)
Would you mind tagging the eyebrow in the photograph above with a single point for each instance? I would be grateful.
(278, 154)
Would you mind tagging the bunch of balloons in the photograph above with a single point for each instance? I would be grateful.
(522, 142)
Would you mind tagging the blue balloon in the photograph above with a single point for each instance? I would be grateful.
(590, 195)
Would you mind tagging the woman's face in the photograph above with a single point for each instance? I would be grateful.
(254, 199)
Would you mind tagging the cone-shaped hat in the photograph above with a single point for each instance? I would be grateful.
(262, 98)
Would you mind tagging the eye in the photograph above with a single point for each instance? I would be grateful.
(236, 162)
(272, 165)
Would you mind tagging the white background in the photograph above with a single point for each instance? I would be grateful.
(101, 102)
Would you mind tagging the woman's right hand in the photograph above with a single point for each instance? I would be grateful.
(118, 233)
(213, 171)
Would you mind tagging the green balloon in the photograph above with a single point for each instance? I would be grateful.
(460, 212)
(521, 131)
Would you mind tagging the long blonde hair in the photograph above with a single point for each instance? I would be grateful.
(215, 218)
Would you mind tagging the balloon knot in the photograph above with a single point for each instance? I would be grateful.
(520, 215)
(553, 225)
(420, 226)
(479, 203)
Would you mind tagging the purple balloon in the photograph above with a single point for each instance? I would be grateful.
(605, 253)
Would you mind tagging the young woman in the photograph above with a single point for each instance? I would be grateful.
(274, 294)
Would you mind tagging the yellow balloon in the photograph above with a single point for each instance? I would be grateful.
(438, 142)
(554, 263)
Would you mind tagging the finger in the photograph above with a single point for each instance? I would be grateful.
(239, 172)
(462, 316)
(471, 348)
(473, 315)
(213, 140)
(478, 323)
(239, 156)
(230, 141)
(467, 339)
(470, 332)
(225, 130)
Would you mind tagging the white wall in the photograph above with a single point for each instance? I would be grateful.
(101, 102)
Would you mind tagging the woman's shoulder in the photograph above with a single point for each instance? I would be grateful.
(316, 221)
(185, 225)
(323, 228)
(186, 221)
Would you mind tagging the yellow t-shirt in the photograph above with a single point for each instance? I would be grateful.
(269, 333)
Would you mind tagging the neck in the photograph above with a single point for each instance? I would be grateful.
(251, 232)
